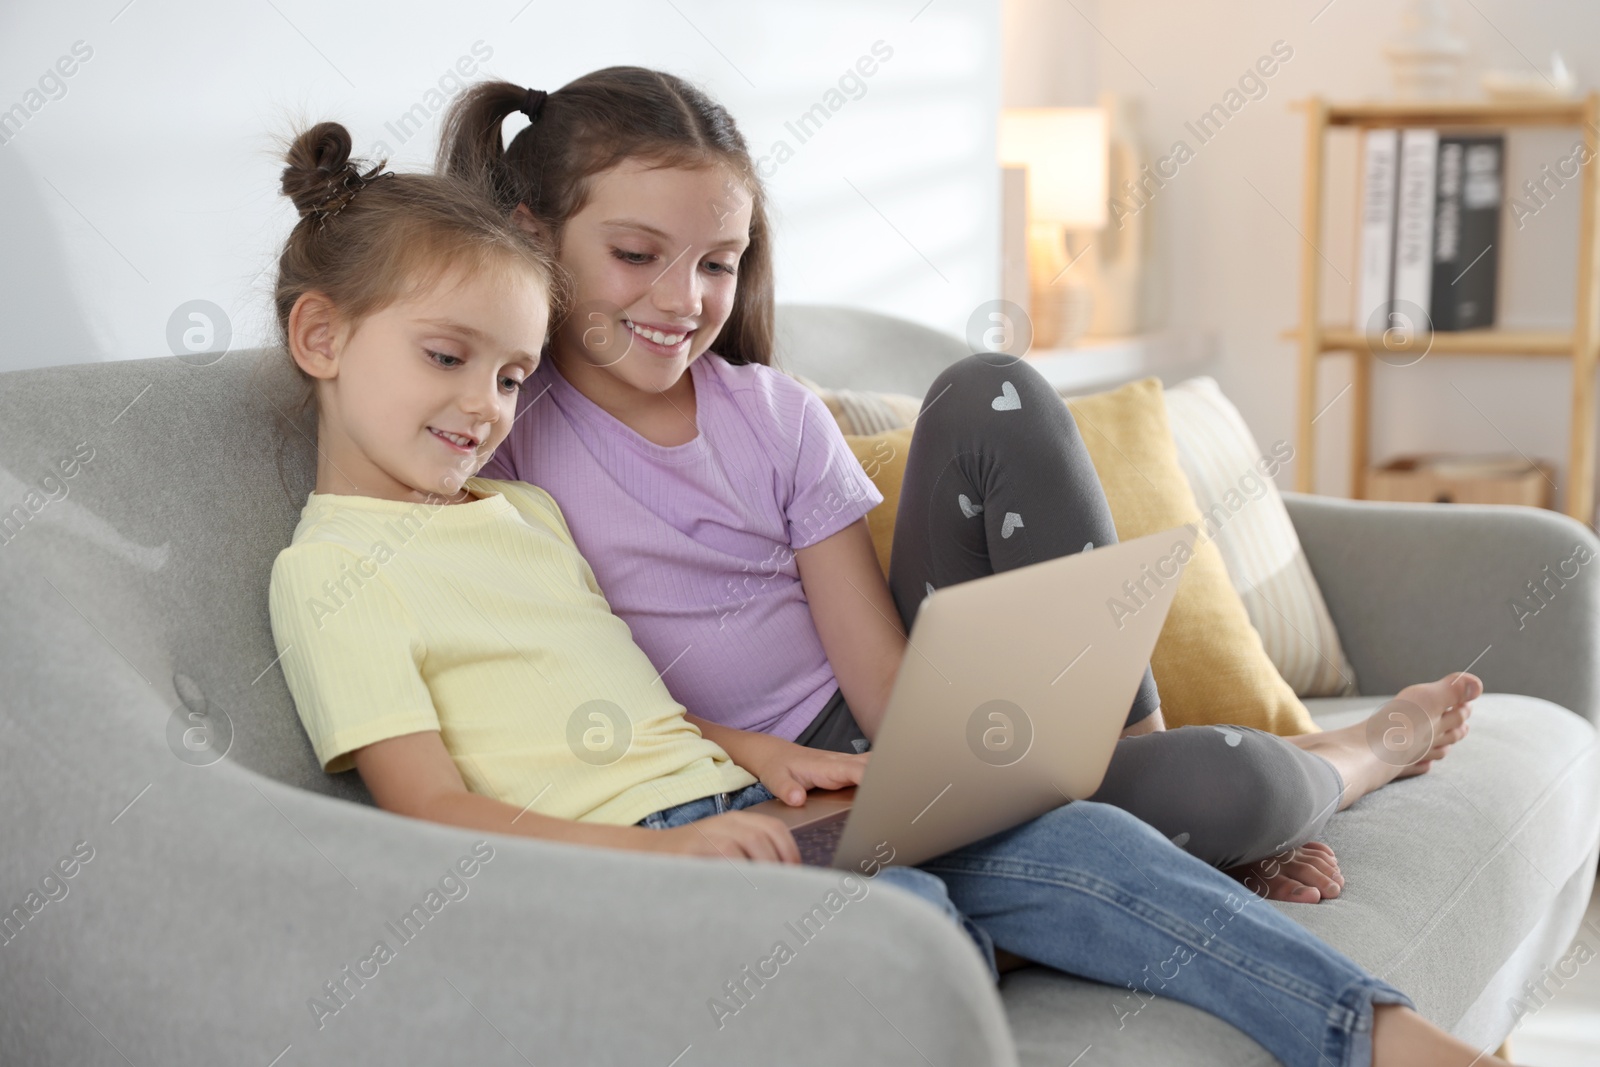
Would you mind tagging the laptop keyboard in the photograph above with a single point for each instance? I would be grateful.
(820, 840)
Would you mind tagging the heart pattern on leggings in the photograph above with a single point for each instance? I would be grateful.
(968, 508)
(1182, 839)
(1233, 736)
(1009, 525)
(1008, 400)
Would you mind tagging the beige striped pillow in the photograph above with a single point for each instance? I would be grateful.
(861, 414)
(1231, 479)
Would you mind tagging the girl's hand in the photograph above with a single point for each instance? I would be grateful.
(791, 770)
(784, 767)
(733, 835)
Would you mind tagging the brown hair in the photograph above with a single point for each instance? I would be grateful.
(590, 125)
(366, 240)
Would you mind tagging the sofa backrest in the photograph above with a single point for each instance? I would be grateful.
(186, 481)
(182, 489)
(849, 348)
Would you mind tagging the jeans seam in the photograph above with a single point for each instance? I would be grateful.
(1344, 1020)
(1108, 891)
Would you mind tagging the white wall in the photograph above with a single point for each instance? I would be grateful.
(147, 178)
(1227, 244)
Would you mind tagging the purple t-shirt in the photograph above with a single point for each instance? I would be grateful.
(693, 545)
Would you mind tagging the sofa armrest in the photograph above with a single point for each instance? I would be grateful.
(1419, 590)
(219, 908)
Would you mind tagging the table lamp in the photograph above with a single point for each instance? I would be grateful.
(1064, 150)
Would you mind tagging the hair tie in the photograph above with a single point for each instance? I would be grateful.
(533, 103)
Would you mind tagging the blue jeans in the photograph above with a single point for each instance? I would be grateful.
(1091, 890)
(917, 882)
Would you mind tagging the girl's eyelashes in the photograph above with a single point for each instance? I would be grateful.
(639, 259)
(635, 258)
(444, 359)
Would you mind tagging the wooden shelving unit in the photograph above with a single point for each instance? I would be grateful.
(1578, 344)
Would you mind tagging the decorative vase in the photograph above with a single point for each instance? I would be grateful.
(1427, 58)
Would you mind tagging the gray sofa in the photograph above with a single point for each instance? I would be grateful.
(191, 885)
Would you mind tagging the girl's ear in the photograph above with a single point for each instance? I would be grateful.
(526, 219)
(314, 335)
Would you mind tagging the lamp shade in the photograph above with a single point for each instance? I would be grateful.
(1064, 149)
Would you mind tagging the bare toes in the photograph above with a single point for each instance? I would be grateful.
(1450, 691)
(1448, 740)
(1464, 687)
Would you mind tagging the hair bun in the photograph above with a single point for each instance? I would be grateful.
(320, 174)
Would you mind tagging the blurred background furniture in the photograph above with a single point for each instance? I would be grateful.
(1580, 343)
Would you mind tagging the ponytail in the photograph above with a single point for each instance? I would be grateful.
(472, 145)
(589, 126)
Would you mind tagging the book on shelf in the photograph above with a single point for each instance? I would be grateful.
(1381, 153)
(1430, 221)
(1413, 230)
(1466, 262)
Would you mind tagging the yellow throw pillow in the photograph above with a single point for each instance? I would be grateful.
(1209, 662)
(883, 457)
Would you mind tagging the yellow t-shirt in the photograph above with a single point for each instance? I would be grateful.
(484, 622)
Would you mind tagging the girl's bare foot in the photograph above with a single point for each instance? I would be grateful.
(1401, 739)
(1304, 875)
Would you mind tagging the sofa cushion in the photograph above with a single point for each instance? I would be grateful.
(883, 457)
(1208, 663)
(862, 414)
(1446, 875)
(1260, 552)
(1232, 483)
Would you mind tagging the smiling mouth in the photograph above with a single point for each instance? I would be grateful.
(660, 337)
(460, 441)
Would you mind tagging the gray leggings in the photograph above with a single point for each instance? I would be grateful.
(1227, 794)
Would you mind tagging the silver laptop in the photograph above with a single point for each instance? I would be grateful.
(1009, 702)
